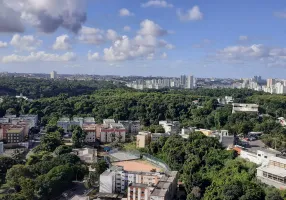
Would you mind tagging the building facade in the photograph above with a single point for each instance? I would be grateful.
(274, 173)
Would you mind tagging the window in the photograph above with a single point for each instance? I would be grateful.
(265, 156)
(259, 155)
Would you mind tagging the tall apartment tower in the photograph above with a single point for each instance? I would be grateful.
(183, 80)
(190, 82)
(53, 75)
(270, 82)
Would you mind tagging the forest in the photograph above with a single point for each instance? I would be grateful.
(211, 173)
(197, 108)
(38, 88)
(207, 170)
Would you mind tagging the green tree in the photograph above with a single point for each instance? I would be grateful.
(78, 137)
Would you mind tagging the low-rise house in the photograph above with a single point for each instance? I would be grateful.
(259, 156)
(86, 155)
(172, 127)
(242, 107)
(273, 173)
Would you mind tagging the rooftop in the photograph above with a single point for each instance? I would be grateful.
(273, 170)
(139, 185)
(15, 130)
(159, 192)
(278, 159)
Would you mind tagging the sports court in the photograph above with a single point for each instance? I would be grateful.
(137, 166)
(123, 156)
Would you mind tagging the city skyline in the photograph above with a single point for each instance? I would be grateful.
(159, 38)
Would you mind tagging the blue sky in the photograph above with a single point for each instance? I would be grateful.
(206, 38)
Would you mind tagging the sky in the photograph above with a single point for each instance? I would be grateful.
(205, 38)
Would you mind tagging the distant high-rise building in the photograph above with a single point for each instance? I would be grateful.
(53, 75)
(183, 80)
(190, 82)
(270, 82)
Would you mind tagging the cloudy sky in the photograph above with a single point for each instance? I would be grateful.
(206, 38)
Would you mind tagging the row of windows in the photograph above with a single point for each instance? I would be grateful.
(278, 164)
(274, 177)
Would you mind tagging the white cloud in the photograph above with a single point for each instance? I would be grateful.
(127, 28)
(243, 38)
(157, 3)
(111, 35)
(255, 53)
(40, 56)
(62, 42)
(145, 45)
(149, 27)
(46, 15)
(280, 15)
(90, 35)
(93, 56)
(25, 43)
(125, 13)
(163, 43)
(164, 55)
(194, 14)
(3, 44)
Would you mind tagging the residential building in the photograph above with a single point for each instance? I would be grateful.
(146, 185)
(241, 107)
(282, 121)
(54, 75)
(5, 127)
(143, 139)
(89, 120)
(87, 155)
(270, 82)
(107, 182)
(259, 156)
(273, 173)
(111, 131)
(15, 135)
(1, 148)
(138, 191)
(190, 82)
(225, 100)
(64, 122)
(183, 81)
(172, 127)
(131, 126)
(225, 138)
(90, 130)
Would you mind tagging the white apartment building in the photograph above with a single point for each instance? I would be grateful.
(66, 123)
(273, 173)
(147, 184)
(190, 82)
(260, 157)
(172, 127)
(242, 107)
(53, 75)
